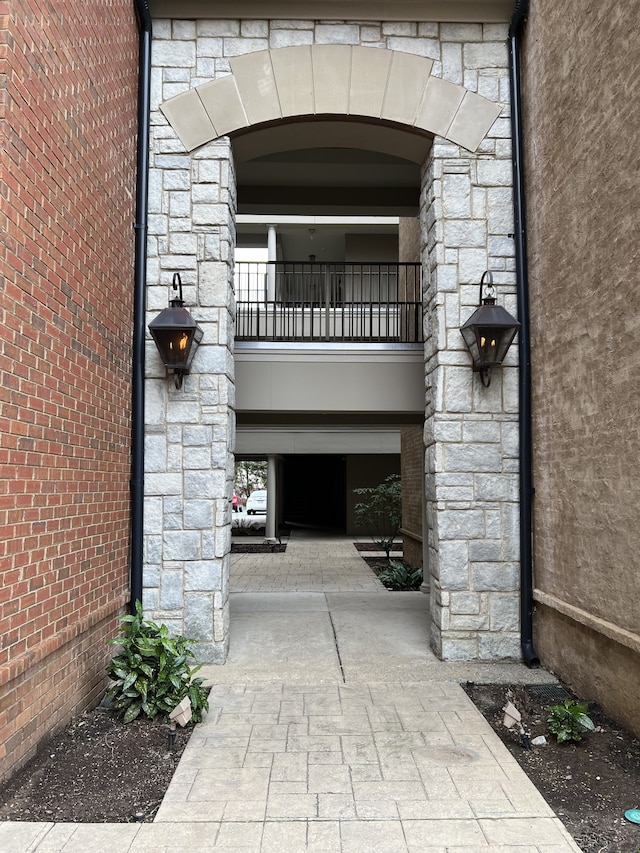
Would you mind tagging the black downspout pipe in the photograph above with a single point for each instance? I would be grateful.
(143, 16)
(529, 655)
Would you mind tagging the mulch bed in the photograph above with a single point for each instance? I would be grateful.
(98, 770)
(257, 548)
(589, 784)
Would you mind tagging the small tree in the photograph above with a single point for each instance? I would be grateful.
(249, 476)
(380, 511)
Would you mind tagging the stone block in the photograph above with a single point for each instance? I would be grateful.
(458, 389)
(486, 55)
(150, 600)
(499, 646)
(163, 484)
(181, 545)
(471, 264)
(337, 34)
(203, 576)
(429, 48)
(494, 173)
(151, 576)
(152, 515)
(207, 50)
(155, 453)
(453, 565)
(194, 436)
(456, 196)
(170, 590)
(469, 622)
(481, 431)
(459, 648)
(198, 515)
(153, 549)
(198, 616)
(209, 27)
(465, 603)
(460, 524)
(485, 551)
(465, 233)
(473, 457)
(174, 54)
(254, 29)
(494, 577)
(204, 484)
(496, 487)
(290, 38)
(240, 47)
(505, 612)
(451, 58)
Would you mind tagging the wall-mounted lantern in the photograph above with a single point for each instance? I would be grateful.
(176, 335)
(489, 331)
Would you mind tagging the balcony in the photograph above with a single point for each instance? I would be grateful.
(331, 302)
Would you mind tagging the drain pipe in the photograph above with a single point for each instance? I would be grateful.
(529, 655)
(143, 16)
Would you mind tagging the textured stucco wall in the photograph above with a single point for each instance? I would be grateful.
(582, 112)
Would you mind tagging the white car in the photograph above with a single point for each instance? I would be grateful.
(257, 502)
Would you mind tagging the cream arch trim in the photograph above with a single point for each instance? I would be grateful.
(330, 79)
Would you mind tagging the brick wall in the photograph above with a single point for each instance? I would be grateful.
(68, 109)
(581, 112)
(412, 489)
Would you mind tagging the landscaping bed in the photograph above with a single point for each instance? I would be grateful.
(98, 770)
(589, 784)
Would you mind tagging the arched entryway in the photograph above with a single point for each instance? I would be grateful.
(318, 104)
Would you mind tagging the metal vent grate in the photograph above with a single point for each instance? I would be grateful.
(553, 692)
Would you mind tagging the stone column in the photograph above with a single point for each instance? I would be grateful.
(190, 432)
(470, 431)
(271, 532)
(271, 269)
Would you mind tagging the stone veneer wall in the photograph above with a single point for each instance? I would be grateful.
(190, 432)
(470, 432)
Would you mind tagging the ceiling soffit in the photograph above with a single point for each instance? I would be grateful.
(467, 11)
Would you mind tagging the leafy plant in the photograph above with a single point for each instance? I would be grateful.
(568, 721)
(399, 576)
(380, 511)
(151, 673)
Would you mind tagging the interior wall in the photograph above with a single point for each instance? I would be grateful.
(375, 248)
(582, 108)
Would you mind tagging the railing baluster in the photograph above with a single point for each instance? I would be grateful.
(300, 301)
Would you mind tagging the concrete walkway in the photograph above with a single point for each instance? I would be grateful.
(332, 728)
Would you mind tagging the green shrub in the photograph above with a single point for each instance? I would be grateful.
(398, 576)
(380, 511)
(151, 674)
(568, 721)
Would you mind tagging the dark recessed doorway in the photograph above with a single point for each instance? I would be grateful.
(315, 491)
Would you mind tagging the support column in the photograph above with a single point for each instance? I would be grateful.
(272, 499)
(271, 269)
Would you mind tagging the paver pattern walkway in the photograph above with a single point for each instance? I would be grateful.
(333, 729)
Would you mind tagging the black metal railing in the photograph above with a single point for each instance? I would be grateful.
(304, 301)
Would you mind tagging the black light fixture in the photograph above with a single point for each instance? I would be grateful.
(176, 335)
(489, 331)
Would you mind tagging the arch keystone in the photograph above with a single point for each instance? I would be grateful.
(331, 71)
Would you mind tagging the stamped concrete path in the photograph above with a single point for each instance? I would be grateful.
(333, 729)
